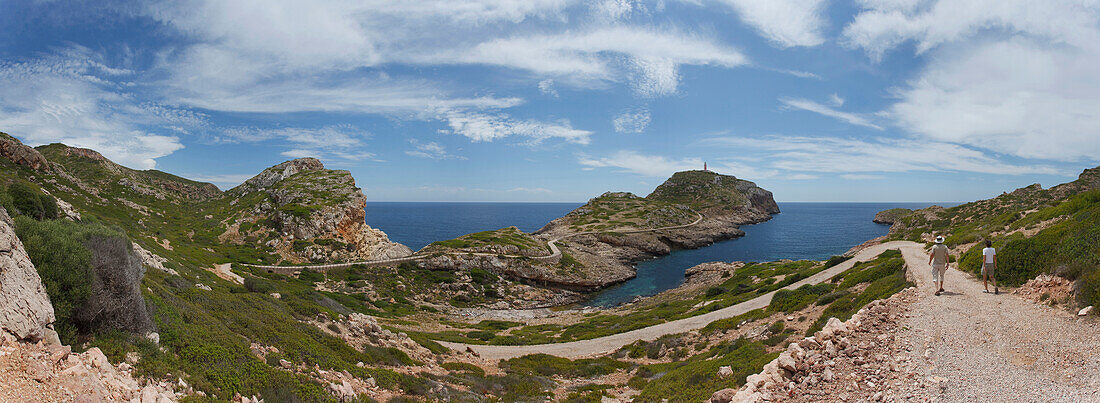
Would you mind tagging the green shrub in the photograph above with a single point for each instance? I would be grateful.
(464, 367)
(1088, 289)
(57, 249)
(835, 260)
(796, 299)
(30, 202)
(257, 285)
(693, 380)
(310, 276)
(548, 365)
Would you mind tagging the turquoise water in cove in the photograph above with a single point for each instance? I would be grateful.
(802, 231)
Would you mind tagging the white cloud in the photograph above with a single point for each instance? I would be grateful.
(838, 155)
(861, 177)
(884, 24)
(488, 127)
(224, 181)
(547, 87)
(663, 167)
(786, 23)
(811, 106)
(342, 142)
(431, 150)
(836, 101)
(632, 121)
(529, 190)
(650, 57)
(1013, 77)
(72, 97)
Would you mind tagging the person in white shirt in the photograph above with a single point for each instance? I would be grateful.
(989, 267)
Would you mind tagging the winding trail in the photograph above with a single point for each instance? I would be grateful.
(611, 343)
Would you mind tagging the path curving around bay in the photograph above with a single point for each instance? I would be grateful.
(611, 343)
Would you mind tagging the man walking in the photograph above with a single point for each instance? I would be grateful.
(989, 267)
(939, 259)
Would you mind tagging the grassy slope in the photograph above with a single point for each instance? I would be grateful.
(206, 334)
(700, 190)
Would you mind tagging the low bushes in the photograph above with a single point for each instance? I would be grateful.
(90, 274)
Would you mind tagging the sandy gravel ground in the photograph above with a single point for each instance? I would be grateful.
(972, 346)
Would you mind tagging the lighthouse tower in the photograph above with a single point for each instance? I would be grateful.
(705, 166)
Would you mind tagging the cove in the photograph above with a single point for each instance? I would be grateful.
(812, 231)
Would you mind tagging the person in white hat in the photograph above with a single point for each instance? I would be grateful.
(938, 259)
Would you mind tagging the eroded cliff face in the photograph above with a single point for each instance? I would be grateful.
(25, 309)
(315, 214)
(20, 154)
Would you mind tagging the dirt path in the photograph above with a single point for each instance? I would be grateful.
(608, 344)
(971, 346)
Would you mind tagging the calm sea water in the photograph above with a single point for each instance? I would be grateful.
(803, 231)
(418, 224)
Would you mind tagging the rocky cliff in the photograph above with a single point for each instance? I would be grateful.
(25, 309)
(308, 214)
(14, 150)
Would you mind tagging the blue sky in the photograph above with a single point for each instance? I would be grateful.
(560, 100)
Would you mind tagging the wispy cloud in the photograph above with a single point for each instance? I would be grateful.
(488, 127)
(662, 167)
(1000, 75)
(840, 155)
(786, 23)
(547, 87)
(811, 106)
(342, 142)
(431, 150)
(73, 97)
(632, 121)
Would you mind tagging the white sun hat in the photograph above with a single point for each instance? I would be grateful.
(939, 239)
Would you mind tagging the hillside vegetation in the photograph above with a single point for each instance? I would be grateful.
(1035, 230)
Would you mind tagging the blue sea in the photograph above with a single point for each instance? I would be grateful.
(802, 231)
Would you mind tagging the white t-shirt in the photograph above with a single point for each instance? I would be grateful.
(989, 253)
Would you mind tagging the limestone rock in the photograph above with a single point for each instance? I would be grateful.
(149, 259)
(25, 309)
(308, 202)
(1085, 311)
(724, 395)
(725, 372)
(20, 154)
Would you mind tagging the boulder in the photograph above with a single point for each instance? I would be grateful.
(785, 361)
(1085, 311)
(724, 395)
(25, 309)
(725, 372)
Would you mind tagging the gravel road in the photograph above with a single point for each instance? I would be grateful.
(972, 346)
(608, 344)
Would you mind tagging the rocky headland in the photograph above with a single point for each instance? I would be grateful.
(600, 241)
(307, 214)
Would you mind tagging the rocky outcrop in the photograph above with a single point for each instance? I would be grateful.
(25, 309)
(827, 364)
(53, 373)
(269, 177)
(318, 214)
(889, 217)
(20, 154)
